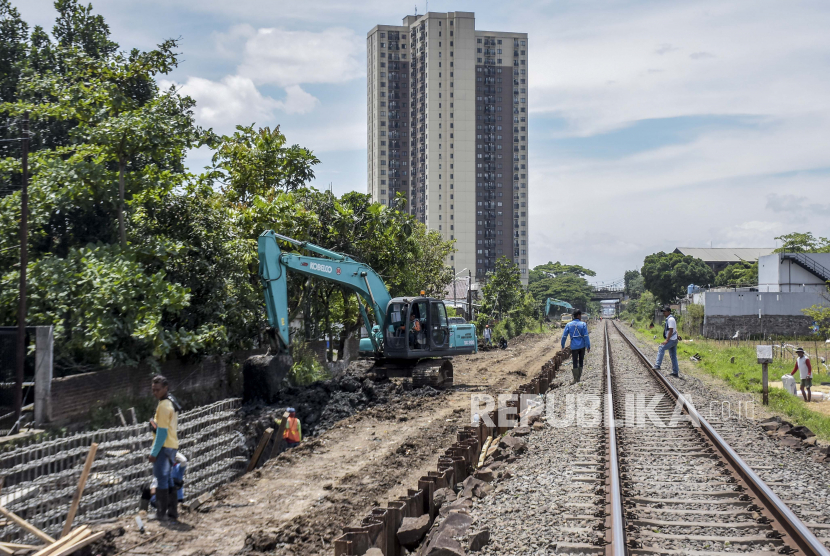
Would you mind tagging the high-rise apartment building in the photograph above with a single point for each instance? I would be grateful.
(447, 129)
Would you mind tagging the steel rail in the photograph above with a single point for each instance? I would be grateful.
(618, 541)
(800, 534)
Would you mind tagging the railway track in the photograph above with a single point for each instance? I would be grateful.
(679, 488)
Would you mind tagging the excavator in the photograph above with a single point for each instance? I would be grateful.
(551, 302)
(412, 336)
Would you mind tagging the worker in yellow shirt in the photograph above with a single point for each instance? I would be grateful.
(293, 431)
(166, 443)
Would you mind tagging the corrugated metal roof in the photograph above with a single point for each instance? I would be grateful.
(725, 254)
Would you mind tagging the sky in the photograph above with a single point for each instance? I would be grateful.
(652, 124)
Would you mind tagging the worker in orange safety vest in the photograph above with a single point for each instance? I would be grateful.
(293, 430)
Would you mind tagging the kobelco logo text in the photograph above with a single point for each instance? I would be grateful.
(321, 267)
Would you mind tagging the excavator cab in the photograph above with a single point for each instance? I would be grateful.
(416, 327)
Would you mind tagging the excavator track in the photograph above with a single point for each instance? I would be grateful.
(436, 373)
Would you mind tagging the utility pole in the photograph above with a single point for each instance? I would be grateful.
(454, 303)
(470, 295)
(24, 261)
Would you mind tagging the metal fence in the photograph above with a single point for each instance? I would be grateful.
(40, 478)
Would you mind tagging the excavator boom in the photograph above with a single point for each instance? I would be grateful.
(331, 266)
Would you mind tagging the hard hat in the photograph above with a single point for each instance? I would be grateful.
(291, 410)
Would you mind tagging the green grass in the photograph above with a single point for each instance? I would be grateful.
(744, 375)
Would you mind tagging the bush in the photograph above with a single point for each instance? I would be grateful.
(306, 368)
(510, 328)
(693, 319)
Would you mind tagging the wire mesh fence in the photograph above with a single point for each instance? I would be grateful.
(40, 478)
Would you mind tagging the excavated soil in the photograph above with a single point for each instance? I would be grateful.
(299, 502)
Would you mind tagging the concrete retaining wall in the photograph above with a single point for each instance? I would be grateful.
(722, 326)
(755, 303)
(72, 397)
(379, 528)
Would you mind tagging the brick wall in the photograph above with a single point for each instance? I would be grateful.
(721, 326)
(73, 397)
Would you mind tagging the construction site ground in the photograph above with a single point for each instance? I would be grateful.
(299, 502)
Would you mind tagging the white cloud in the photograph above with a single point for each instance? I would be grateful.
(795, 205)
(235, 99)
(298, 101)
(287, 58)
(740, 57)
(232, 43)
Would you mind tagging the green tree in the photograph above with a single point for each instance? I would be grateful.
(820, 314)
(564, 282)
(803, 243)
(23, 54)
(743, 273)
(502, 290)
(642, 309)
(504, 299)
(667, 275)
(255, 162)
(633, 284)
(108, 149)
(553, 270)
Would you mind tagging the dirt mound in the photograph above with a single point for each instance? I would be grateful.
(323, 404)
(526, 337)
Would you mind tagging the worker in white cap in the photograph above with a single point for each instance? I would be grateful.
(805, 373)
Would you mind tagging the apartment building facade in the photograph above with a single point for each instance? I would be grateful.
(447, 130)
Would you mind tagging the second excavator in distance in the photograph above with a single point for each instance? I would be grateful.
(412, 336)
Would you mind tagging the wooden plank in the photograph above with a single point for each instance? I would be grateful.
(278, 439)
(76, 500)
(18, 546)
(266, 436)
(484, 451)
(5, 550)
(67, 540)
(79, 545)
(22, 523)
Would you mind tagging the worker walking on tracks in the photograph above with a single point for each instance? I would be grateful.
(163, 453)
(805, 373)
(580, 342)
(669, 344)
(293, 434)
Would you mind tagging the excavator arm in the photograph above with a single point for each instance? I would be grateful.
(334, 267)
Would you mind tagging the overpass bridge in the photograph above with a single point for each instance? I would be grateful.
(602, 293)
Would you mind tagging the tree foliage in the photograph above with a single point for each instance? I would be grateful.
(667, 275)
(255, 162)
(131, 257)
(803, 243)
(633, 284)
(564, 282)
(742, 273)
(504, 299)
(821, 315)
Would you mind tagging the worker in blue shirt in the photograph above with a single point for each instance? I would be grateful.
(580, 342)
